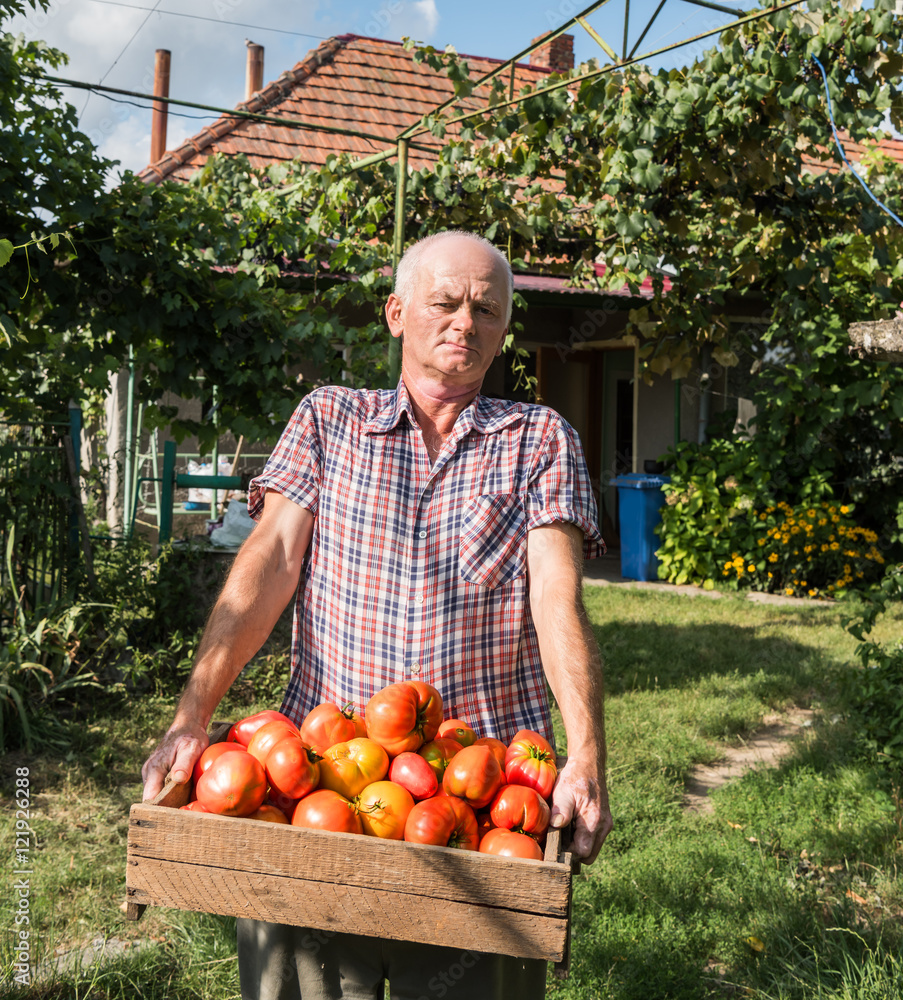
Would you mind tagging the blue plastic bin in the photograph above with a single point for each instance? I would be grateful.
(640, 501)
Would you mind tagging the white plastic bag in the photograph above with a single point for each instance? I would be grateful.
(203, 495)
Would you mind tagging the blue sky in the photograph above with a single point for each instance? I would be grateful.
(114, 41)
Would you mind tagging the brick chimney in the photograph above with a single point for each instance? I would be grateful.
(557, 55)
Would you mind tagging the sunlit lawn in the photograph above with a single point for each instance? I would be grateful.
(789, 889)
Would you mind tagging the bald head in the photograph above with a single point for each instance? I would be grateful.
(409, 268)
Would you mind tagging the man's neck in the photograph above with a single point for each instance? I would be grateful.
(437, 406)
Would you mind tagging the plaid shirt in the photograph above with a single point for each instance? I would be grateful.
(417, 572)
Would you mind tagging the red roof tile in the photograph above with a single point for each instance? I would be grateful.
(361, 84)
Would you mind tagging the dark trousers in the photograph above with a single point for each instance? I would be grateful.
(280, 962)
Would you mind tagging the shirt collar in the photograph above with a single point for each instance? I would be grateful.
(484, 415)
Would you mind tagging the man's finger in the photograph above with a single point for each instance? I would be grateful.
(153, 783)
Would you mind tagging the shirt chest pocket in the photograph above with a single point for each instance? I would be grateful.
(493, 548)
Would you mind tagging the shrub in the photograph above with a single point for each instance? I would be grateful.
(875, 693)
(812, 550)
(722, 522)
(705, 518)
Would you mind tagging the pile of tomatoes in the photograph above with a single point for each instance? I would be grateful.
(399, 771)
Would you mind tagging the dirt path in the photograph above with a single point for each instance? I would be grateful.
(765, 749)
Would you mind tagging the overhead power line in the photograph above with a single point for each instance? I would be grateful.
(214, 20)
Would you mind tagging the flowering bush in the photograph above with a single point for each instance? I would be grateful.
(723, 525)
(813, 550)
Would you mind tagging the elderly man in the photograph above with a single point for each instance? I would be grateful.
(438, 536)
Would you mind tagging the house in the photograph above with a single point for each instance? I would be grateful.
(372, 89)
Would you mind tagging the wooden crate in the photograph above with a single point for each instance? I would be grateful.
(348, 882)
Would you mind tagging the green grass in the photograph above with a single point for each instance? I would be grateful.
(788, 890)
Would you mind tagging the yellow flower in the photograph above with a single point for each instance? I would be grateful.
(835, 546)
(822, 521)
(844, 509)
(789, 591)
(773, 557)
(760, 542)
(813, 592)
(750, 568)
(810, 512)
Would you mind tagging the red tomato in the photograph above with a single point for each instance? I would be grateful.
(269, 734)
(292, 768)
(496, 746)
(443, 822)
(269, 814)
(412, 772)
(244, 729)
(509, 844)
(327, 725)
(234, 785)
(195, 807)
(327, 810)
(530, 761)
(383, 809)
(460, 732)
(522, 809)
(282, 802)
(209, 756)
(404, 716)
(474, 775)
(437, 753)
(349, 767)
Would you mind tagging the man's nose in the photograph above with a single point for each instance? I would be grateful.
(465, 319)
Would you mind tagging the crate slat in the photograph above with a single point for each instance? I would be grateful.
(351, 908)
(440, 873)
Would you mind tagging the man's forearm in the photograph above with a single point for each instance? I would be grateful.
(254, 596)
(573, 669)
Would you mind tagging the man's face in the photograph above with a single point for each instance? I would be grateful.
(454, 323)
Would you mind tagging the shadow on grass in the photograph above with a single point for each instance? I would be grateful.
(653, 656)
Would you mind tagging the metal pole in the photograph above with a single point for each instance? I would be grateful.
(626, 25)
(214, 496)
(164, 516)
(75, 434)
(129, 444)
(401, 168)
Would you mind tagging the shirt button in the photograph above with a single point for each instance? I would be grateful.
(421, 534)
(418, 599)
(415, 668)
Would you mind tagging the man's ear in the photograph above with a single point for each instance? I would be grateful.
(501, 346)
(395, 315)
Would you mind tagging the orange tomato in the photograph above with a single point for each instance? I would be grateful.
(383, 808)
(347, 768)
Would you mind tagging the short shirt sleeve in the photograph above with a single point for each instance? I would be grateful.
(559, 488)
(294, 468)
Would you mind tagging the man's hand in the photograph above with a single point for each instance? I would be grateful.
(176, 756)
(580, 795)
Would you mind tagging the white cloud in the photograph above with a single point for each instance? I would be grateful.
(426, 12)
(393, 19)
(128, 140)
